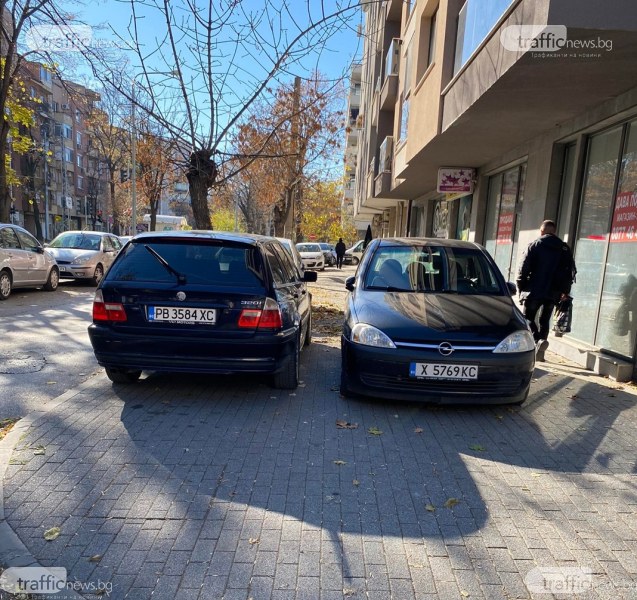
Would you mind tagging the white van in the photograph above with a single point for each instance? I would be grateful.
(354, 254)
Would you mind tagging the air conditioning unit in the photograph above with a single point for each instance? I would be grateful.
(392, 59)
(386, 155)
(66, 106)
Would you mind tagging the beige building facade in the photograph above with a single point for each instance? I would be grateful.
(537, 99)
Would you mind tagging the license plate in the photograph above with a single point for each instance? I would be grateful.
(442, 371)
(182, 314)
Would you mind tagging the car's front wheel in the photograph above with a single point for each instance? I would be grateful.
(355, 260)
(5, 285)
(344, 388)
(53, 280)
(121, 376)
(98, 275)
(288, 377)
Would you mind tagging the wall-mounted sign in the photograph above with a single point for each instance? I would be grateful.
(624, 225)
(453, 180)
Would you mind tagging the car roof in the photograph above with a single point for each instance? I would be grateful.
(423, 241)
(201, 234)
(83, 231)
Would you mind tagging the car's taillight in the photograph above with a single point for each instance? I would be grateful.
(267, 318)
(107, 311)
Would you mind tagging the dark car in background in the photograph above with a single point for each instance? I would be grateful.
(202, 302)
(433, 320)
(24, 262)
(329, 254)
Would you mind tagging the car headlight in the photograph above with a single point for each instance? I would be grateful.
(365, 334)
(520, 341)
(80, 260)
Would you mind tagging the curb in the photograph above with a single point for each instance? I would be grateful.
(13, 553)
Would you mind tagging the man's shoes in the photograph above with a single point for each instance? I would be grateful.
(540, 349)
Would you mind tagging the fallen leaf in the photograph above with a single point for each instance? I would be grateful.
(499, 417)
(52, 534)
(95, 558)
(464, 593)
(374, 431)
(477, 448)
(51, 382)
(253, 541)
(418, 430)
(339, 462)
(430, 507)
(341, 424)
(39, 451)
(356, 482)
(536, 474)
(451, 502)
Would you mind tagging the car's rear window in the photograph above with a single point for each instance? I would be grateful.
(199, 263)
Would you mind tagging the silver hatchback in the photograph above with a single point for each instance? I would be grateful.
(24, 262)
(84, 255)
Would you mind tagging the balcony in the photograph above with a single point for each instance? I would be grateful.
(389, 93)
(382, 184)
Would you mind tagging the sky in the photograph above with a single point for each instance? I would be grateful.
(237, 69)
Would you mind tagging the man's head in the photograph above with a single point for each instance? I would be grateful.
(340, 239)
(548, 227)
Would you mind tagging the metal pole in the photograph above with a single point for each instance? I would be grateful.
(133, 178)
(46, 187)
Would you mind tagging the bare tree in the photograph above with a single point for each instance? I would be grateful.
(211, 62)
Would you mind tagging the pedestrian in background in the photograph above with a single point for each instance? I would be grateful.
(340, 252)
(544, 279)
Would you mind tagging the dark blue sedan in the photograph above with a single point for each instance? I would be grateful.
(202, 302)
(433, 320)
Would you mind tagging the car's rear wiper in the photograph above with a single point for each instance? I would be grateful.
(181, 279)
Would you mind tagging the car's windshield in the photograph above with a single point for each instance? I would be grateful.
(308, 247)
(77, 241)
(431, 269)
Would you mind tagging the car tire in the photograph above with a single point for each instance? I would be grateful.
(53, 280)
(344, 388)
(5, 285)
(288, 377)
(308, 333)
(120, 376)
(98, 275)
(355, 260)
(522, 401)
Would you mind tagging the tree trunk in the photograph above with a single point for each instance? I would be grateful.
(201, 175)
(5, 195)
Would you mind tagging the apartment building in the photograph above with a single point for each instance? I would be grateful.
(481, 118)
(67, 190)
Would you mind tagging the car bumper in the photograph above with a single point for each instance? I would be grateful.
(313, 264)
(384, 373)
(67, 272)
(262, 353)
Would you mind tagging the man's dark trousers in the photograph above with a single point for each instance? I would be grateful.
(531, 308)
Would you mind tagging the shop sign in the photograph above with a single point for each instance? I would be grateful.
(624, 225)
(505, 228)
(453, 180)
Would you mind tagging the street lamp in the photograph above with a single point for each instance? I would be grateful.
(133, 151)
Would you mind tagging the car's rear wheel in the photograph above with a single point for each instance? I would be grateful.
(98, 275)
(53, 280)
(355, 260)
(5, 285)
(121, 376)
(288, 377)
(308, 333)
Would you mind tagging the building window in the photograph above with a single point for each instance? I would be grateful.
(426, 43)
(78, 159)
(45, 75)
(404, 119)
(67, 131)
(80, 182)
(78, 138)
(68, 155)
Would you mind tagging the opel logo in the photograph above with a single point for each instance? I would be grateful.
(445, 348)
(181, 296)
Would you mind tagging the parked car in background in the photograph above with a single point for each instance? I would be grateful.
(84, 255)
(202, 302)
(24, 262)
(312, 255)
(329, 254)
(125, 238)
(294, 253)
(354, 254)
(433, 320)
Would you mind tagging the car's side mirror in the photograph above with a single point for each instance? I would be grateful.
(310, 276)
(349, 284)
(39, 249)
(513, 290)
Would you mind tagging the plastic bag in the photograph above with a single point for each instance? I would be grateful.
(563, 316)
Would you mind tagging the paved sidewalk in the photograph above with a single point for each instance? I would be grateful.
(197, 487)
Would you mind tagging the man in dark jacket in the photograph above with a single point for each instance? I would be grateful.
(544, 278)
(340, 252)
